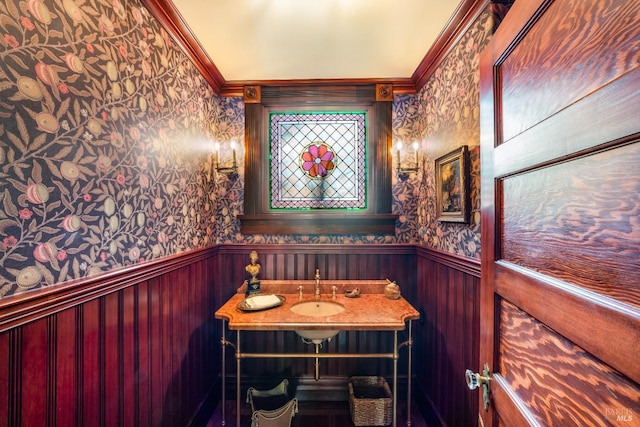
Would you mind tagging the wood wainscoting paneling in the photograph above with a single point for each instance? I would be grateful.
(140, 346)
(447, 337)
(335, 262)
(133, 347)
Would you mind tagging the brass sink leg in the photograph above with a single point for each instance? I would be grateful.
(224, 341)
(317, 377)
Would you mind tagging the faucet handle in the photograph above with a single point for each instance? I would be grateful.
(300, 288)
(334, 288)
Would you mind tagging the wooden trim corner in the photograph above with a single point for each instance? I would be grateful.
(384, 92)
(252, 94)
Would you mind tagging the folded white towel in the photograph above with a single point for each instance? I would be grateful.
(262, 301)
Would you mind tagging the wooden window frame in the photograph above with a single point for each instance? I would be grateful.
(259, 218)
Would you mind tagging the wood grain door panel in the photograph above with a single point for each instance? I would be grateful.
(574, 221)
(560, 310)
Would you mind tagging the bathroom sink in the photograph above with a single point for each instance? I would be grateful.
(317, 309)
(318, 336)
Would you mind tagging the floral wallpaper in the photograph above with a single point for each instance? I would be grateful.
(445, 115)
(105, 135)
(106, 146)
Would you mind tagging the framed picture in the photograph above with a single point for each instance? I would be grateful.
(452, 180)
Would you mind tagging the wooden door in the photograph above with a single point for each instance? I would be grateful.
(560, 309)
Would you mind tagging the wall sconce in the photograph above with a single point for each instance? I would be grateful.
(403, 172)
(229, 170)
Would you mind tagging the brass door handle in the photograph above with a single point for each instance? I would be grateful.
(475, 380)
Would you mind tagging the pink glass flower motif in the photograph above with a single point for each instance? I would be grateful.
(317, 161)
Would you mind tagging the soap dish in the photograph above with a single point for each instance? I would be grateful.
(354, 293)
(243, 306)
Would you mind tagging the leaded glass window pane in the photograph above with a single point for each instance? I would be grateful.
(318, 160)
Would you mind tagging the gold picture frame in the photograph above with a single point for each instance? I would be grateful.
(452, 181)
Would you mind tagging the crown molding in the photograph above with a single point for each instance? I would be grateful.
(465, 15)
(173, 22)
(400, 85)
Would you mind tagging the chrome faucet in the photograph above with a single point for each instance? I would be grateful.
(317, 291)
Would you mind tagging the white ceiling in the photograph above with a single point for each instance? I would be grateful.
(316, 39)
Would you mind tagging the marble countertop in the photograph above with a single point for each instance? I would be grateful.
(370, 311)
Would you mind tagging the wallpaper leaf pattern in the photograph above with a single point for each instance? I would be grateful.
(105, 134)
(444, 116)
(106, 142)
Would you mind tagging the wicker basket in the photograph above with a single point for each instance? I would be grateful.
(370, 401)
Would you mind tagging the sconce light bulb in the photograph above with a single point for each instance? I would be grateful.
(233, 151)
(217, 147)
(416, 145)
(399, 146)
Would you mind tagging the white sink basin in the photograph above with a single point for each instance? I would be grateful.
(317, 309)
(318, 336)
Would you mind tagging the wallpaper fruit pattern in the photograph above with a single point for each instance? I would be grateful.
(105, 134)
(106, 143)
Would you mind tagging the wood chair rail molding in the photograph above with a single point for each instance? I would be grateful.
(466, 265)
(21, 309)
(317, 249)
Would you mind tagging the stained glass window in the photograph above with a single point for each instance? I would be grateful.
(318, 160)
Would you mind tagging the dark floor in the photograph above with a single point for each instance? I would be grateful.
(313, 414)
